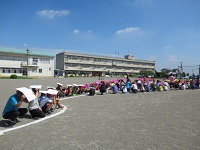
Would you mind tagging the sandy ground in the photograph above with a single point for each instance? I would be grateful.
(143, 121)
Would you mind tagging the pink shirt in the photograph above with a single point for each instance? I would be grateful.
(171, 79)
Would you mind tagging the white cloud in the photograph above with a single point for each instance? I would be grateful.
(172, 58)
(51, 14)
(76, 31)
(128, 30)
(83, 34)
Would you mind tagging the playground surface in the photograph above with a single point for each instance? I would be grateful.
(143, 121)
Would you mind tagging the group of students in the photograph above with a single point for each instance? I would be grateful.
(40, 103)
(126, 85)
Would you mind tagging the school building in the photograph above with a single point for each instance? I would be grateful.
(70, 63)
(26, 63)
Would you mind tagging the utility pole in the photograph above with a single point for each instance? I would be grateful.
(199, 69)
(179, 72)
(181, 67)
(27, 51)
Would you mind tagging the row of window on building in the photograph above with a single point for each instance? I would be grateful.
(99, 66)
(20, 58)
(19, 70)
(91, 67)
(68, 57)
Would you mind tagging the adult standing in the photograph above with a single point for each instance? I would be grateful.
(128, 84)
(171, 81)
(197, 83)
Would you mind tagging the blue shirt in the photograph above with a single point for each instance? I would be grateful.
(41, 98)
(128, 84)
(115, 88)
(44, 100)
(10, 105)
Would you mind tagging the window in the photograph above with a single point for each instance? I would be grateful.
(8, 57)
(13, 58)
(34, 70)
(35, 61)
(98, 66)
(45, 60)
(40, 70)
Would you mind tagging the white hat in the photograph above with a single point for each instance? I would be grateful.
(69, 85)
(60, 84)
(27, 92)
(43, 91)
(75, 85)
(36, 86)
(52, 92)
(80, 85)
(50, 87)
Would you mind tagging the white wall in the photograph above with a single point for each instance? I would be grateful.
(47, 69)
(10, 64)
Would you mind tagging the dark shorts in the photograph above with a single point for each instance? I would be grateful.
(44, 108)
(92, 92)
(37, 113)
(12, 115)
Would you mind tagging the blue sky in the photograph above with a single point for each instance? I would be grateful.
(167, 31)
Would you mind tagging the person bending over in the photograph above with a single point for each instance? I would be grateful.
(92, 90)
(13, 108)
(103, 88)
(57, 101)
(33, 106)
(114, 89)
(46, 105)
(134, 87)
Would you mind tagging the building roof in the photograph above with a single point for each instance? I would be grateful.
(23, 52)
(103, 56)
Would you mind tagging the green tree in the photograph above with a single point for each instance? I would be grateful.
(183, 74)
(164, 74)
(13, 76)
(146, 73)
(157, 74)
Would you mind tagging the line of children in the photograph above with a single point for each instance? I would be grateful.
(13, 108)
(40, 106)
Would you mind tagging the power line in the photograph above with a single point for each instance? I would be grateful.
(187, 67)
(191, 66)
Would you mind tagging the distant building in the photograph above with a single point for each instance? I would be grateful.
(23, 63)
(73, 63)
(166, 70)
(174, 72)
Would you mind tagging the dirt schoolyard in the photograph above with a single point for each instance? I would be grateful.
(150, 120)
